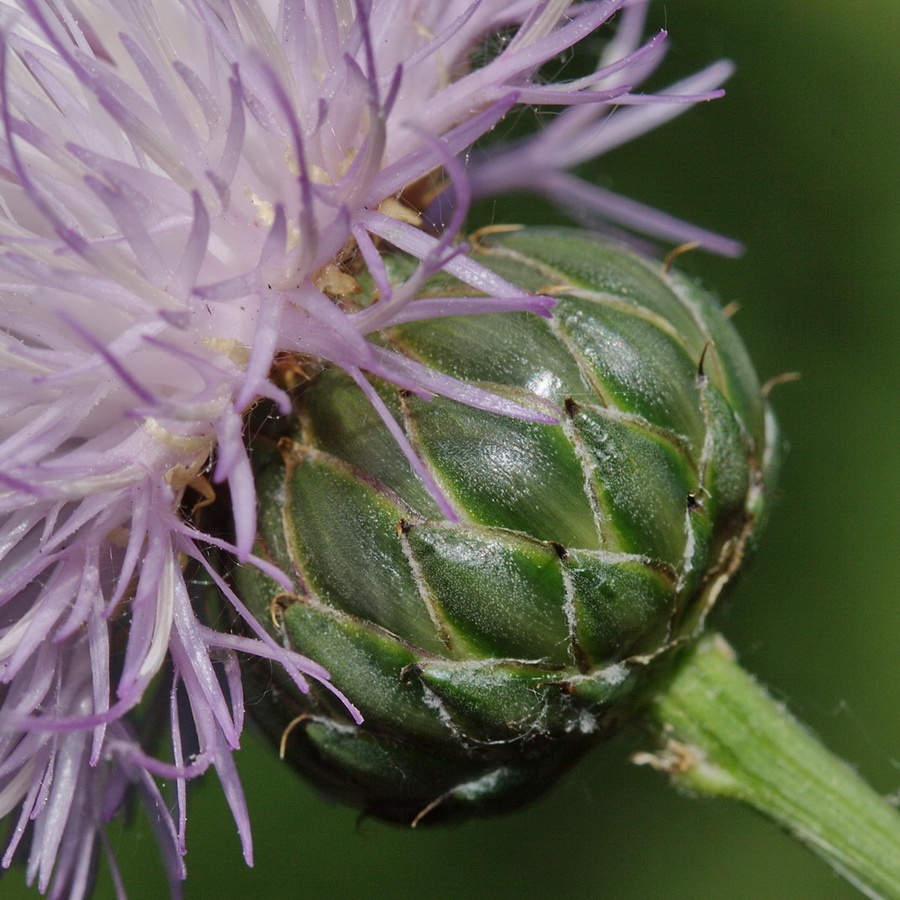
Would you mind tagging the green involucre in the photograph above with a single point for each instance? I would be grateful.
(487, 654)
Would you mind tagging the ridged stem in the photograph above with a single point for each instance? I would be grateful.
(722, 735)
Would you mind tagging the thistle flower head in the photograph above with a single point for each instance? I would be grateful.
(187, 189)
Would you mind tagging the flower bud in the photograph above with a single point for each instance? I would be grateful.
(488, 651)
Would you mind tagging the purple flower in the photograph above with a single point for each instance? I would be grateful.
(181, 182)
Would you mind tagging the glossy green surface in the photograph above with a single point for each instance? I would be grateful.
(494, 646)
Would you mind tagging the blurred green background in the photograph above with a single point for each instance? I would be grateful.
(802, 162)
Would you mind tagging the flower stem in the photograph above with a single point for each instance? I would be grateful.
(722, 735)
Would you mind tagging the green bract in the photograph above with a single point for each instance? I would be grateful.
(487, 654)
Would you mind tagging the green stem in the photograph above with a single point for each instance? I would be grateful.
(724, 736)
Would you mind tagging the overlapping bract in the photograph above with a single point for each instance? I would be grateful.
(488, 649)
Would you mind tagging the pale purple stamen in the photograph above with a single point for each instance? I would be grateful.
(586, 131)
